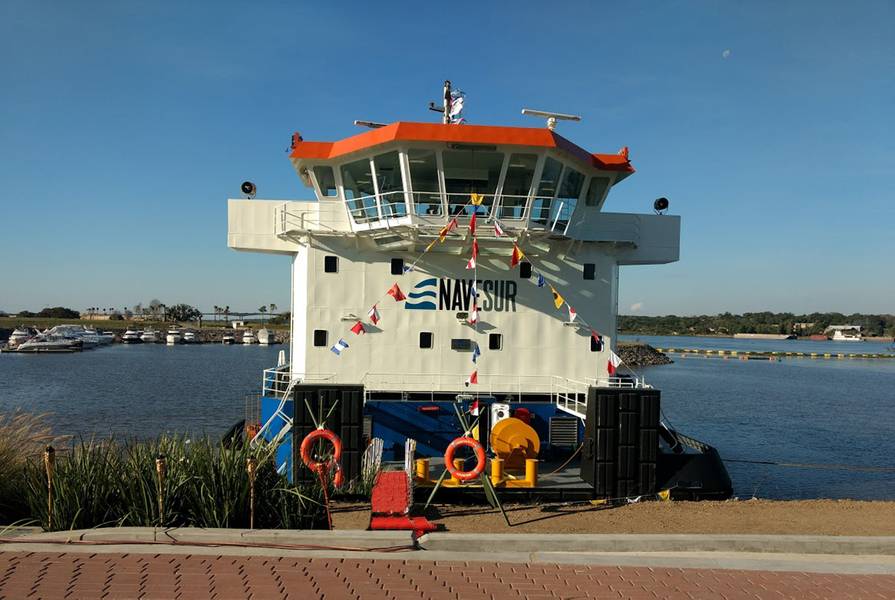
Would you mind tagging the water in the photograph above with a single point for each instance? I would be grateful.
(680, 342)
(137, 390)
(830, 412)
(819, 411)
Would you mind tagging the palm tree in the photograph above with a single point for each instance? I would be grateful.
(227, 313)
(262, 310)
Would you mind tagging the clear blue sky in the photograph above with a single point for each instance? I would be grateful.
(124, 126)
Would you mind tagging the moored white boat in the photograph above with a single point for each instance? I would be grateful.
(265, 337)
(248, 337)
(847, 336)
(49, 342)
(173, 336)
(19, 336)
(149, 336)
(228, 339)
(131, 336)
(190, 337)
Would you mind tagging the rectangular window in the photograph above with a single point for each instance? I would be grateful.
(567, 197)
(424, 182)
(596, 190)
(495, 341)
(461, 344)
(320, 337)
(357, 181)
(540, 207)
(517, 185)
(590, 271)
(326, 180)
(397, 266)
(330, 264)
(469, 171)
(525, 270)
(391, 185)
(425, 339)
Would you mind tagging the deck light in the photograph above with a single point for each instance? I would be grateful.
(660, 205)
(248, 188)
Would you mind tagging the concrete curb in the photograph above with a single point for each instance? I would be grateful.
(621, 543)
(192, 535)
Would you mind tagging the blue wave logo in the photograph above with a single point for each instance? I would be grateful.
(422, 296)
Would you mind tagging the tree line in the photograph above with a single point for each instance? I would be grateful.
(757, 322)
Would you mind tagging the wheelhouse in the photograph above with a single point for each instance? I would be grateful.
(419, 174)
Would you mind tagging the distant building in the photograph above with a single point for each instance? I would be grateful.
(833, 328)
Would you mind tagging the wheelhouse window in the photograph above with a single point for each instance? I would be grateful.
(517, 185)
(320, 337)
(426, 192)
(540, 207)
(567, 198)
(326, 181)
(471, 170)
(357, 181)
(596, 190)
(391, 185)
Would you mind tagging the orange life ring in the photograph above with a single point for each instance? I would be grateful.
(479, 458)
(320, 467)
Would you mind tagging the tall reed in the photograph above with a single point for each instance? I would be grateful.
(22, 436)
(205, 484)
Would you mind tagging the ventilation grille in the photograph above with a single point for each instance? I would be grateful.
(563, 431)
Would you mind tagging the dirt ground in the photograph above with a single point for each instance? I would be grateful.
(817, 517)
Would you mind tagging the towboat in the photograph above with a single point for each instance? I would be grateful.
(447, 269)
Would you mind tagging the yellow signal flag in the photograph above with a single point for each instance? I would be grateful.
(432, 243)
(476, 199)
(665, 495)
(558, 300)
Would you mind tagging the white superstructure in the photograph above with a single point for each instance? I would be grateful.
(382, 199)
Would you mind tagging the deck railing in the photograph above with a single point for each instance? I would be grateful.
(569, 395)
(423, 209)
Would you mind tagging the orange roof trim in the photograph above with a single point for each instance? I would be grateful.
(468, 134)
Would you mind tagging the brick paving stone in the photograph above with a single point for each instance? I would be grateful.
(75, 575)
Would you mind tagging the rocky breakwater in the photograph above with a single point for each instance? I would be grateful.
(636, 354)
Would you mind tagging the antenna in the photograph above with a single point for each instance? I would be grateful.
(551, 117)
(446, 100)
(370, 124)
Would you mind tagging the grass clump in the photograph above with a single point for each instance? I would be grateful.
(205, 484)
(23, 436)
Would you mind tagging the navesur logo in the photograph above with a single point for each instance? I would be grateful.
(446, 293)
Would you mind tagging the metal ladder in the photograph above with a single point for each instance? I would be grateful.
(287, 423)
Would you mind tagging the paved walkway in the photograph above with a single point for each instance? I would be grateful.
(81, 574)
